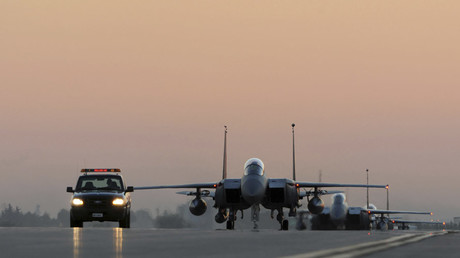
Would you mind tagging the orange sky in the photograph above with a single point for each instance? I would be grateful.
(148, 85)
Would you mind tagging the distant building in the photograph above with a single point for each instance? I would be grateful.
(457, 220)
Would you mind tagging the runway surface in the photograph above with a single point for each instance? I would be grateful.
(135, 242)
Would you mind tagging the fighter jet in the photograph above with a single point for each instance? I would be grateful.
(383, 222)
(341, 216)
(403, 223)
(255, 189)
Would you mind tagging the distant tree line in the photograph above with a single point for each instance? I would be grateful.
(449, 225)
(181, 218)
(14, 217)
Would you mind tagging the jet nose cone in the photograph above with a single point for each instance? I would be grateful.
(338, 214)
(253, 190)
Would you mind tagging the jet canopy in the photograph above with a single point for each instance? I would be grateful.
(254, 166)
(338, 198)
(371, 207)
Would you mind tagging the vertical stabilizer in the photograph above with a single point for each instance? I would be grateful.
(293, 153)
(224, 170)
(367, 180)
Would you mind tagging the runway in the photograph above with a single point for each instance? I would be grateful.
(136, 242)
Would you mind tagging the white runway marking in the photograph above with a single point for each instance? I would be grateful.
(368, 248)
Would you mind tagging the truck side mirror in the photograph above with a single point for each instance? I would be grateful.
(69, 189)
(129, 189)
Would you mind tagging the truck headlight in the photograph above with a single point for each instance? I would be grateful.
(118, 201)
(77, 202)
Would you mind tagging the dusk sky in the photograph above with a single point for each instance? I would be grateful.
(147, 86)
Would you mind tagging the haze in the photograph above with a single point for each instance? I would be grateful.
(147, 86)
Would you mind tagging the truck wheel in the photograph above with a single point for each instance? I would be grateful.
(75, 223)
(125, 222)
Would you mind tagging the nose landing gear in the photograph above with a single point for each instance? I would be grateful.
(283, 222)
(255, 210)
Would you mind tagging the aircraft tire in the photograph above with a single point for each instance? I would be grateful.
(230, 224)
(285, 225)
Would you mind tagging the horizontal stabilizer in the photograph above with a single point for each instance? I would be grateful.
(204, 193)
(321, 192)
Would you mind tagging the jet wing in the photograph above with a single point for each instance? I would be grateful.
(197, 185)
(312, 184)
(398, 212)
(417, 222)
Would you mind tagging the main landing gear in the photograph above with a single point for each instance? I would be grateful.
(232, 218)
(230, 224)
(283, 222)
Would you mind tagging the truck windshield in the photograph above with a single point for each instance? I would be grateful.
(99, 183)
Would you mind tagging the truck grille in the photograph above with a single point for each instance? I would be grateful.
(99, 202)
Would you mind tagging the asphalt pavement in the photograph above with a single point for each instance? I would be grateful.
(136, 242)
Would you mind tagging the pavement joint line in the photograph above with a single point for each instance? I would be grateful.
(369, 247)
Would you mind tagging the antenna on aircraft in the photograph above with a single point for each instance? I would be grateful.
(224, 171)
(293, 153)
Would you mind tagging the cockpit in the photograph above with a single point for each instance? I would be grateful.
(338, 198)
(371, 207)
(254, 166)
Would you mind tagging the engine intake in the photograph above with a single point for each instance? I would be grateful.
(197, 206)
(221, 216)
(316, 205)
